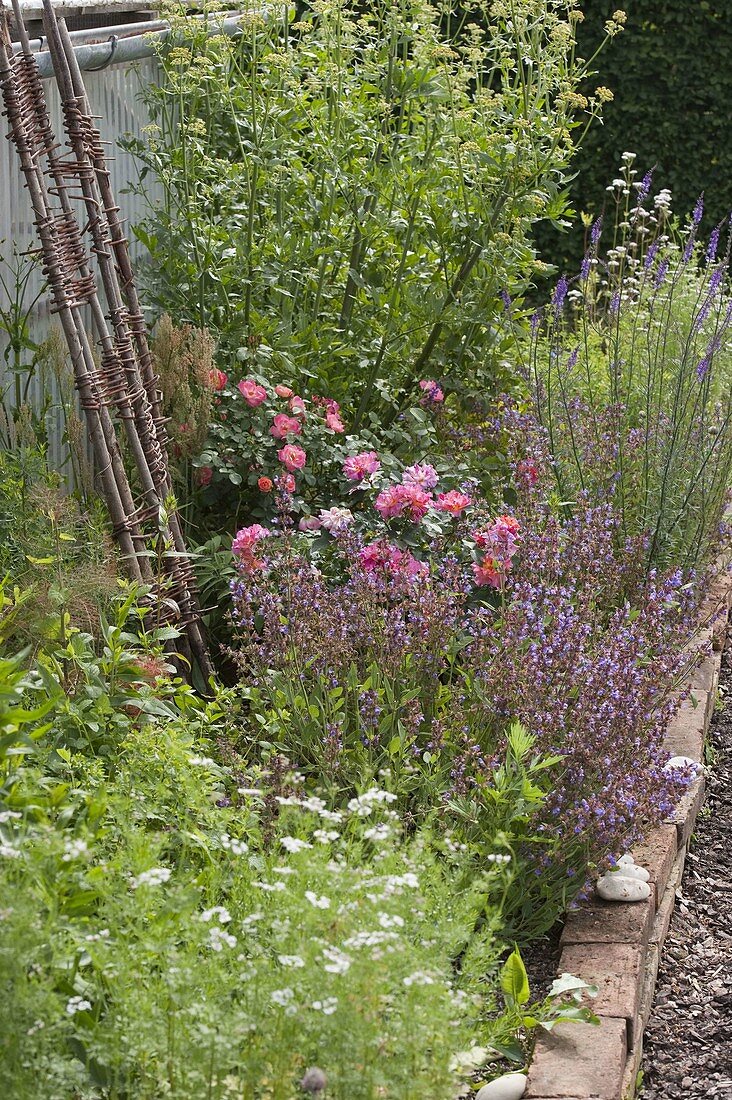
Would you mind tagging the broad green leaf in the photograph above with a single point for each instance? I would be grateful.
(514, 981)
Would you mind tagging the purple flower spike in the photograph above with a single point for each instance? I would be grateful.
(615, 302)
(661, 274)
(713, 246)
(696, 217)
(596, 231)
(645, 187)
(506, 299)
(559, 295)
(651, 255)
(536, 321)
(585, 269)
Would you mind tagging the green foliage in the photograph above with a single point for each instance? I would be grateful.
(633, 382)
(671, 106)
(348, 195)
(153, 943)
(55, 554)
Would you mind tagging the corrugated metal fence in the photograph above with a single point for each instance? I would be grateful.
(114, 94)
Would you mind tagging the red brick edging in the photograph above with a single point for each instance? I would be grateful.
(616, 945)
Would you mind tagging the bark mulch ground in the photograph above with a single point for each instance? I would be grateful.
(688, 1042)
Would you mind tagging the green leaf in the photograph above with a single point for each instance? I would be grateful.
(568, 983)
(511, 1050)
(514, 980)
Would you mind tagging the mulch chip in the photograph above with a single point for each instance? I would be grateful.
(688, 1041)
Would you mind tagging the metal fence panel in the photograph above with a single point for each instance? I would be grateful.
(114, 94)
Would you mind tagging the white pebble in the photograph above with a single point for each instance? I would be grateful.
(682, 762)
(631, 870)
(617, 887)
(509, 1087)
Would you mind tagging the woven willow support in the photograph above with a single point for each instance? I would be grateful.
(123, 384)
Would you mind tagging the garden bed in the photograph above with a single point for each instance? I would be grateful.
(618, 946)
(450, 553)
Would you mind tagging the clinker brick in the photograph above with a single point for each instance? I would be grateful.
(617, 970)
(579, 1061)
(657, 854)
(686, 730)
(686, 810)
(610, 922)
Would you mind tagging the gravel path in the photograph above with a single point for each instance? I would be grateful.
(688, 1042)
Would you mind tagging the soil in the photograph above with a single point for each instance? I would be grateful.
(688, 1041)
(541, 959)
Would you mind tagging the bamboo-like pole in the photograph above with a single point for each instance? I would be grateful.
(126, 379)
(30, 129)
(134, 321)
(135, 406)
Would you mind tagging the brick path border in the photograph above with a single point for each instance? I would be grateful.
(617, 945)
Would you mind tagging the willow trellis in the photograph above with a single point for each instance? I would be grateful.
(91, 266)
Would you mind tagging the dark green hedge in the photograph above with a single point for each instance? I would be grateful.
(671, 74)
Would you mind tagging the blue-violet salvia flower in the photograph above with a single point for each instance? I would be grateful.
(713, 246)
(596, 231)
(559, 295)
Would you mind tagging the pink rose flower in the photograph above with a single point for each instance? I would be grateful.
(416, 501)
(453, 502)
(283, 391)
(252, 392)
(500, 543)
(433, 395)
(491, 572)
(334, 422)
(336, 520)
(292, 457)
(283, 425)
(389, 502)
(205, 473)
(421, 474)
(245, 543)
(297, 406)
(309, 523)
(398, 499)
(358, 467)
(264, 484)
(217, 379)
(383, 556)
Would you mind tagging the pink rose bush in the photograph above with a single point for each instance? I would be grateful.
(262, 430)
(427, 666)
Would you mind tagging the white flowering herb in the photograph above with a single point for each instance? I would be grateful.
(156, 876)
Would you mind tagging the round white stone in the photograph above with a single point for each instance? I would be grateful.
(631, 870)
(682, 762)
(627, 858)
(509, 1087)
(617, 887)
